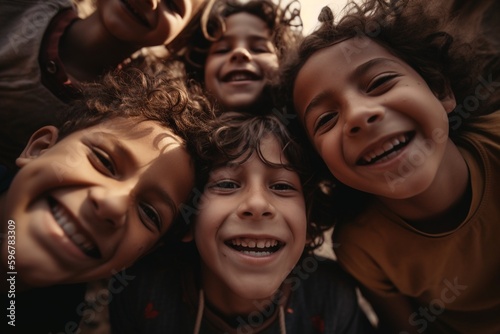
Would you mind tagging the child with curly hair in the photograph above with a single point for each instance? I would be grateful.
(251, 268)
(236, 47)
(96, 194)
(400, 114)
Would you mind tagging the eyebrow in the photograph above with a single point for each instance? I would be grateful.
(360, 70)
(315, 102)
(118, 146)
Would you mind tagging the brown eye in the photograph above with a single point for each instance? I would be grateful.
(282, 187)
(324, 120)
(104, 161)
(149, 214)
(380, 81)
(225, 185)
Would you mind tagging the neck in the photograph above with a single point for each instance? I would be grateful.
(87, 49)
(442, 205)
(227, 302)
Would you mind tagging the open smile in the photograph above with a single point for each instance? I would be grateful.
(386, 150)
(240, 75)
(73, 230)
(255, 247)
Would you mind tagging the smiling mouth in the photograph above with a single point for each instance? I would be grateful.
(240, 76)
(72, 230)
(386, 150)
(136, 14)
(255, 247)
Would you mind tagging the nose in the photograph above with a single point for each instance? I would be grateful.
(256, 205)
(240, 54)
(360, 116)
(110, 204)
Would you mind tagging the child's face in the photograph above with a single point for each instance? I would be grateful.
(239, 64)
(146, 22)
(94, 202)
(372, 118)
(251, 228)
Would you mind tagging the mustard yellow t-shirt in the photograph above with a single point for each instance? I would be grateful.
(454, 276)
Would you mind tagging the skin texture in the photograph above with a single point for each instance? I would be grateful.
(249, 204)
(245, 49)
(103, 182)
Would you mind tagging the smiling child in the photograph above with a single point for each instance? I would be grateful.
(253, 269)
(235, 50)
(94, 195)
(394, 108)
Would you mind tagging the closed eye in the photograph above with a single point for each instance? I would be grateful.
(380, 81)
(282, 187)
(149, 216)
(326, 119)
(225, 185)
(219, 47)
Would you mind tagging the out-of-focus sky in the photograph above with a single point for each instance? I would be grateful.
(310, 10)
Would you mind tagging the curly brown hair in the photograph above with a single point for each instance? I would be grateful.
(284, 24)
(410, 31)
(155, 92)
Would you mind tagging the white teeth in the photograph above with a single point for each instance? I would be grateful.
(70, 228)
(239, 77)
(254, 243)
(385, 147)
(256, 254)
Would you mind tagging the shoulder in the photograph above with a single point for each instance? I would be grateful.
(486, 125)
(324, 297)
(149, 296)
(318, 276)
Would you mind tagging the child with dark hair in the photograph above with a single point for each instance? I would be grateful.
(251, 268)
(47, 51)
(96, 194)
(236, 47)
(400, 114)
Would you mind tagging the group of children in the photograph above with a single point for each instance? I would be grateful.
(202, 185)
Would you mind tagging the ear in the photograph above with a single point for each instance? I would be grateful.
(40, 141)
(448, 100)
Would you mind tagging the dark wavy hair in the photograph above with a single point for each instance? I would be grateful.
(284, 24)
(412, 32)
(236, 136)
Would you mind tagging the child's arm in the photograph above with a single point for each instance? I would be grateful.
(392, 312)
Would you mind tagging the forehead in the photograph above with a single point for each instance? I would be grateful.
(346, 55)
(340, 62)
(246, 24)
(270, 149)
(144, 139)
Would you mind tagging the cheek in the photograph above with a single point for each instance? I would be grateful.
(270, 64)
